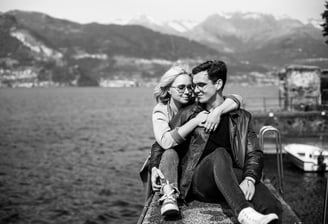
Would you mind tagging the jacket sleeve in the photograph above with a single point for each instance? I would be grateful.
(184, 115)
(155, 155)
(254, 157)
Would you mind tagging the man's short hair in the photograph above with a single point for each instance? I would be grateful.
(215, 69)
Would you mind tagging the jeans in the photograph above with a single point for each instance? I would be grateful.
(215, 179)
(169, 166)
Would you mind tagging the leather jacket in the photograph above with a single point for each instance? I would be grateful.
(246, 152)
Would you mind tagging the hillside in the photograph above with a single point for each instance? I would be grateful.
(93, 50)
(256, 38)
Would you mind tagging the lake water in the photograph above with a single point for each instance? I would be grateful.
(72, 155)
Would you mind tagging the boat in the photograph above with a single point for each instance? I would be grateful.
(309, 158)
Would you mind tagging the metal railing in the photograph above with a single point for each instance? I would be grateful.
(280, 172)
(265, 104)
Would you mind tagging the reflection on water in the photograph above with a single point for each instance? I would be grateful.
(304, 192)
(72, 156)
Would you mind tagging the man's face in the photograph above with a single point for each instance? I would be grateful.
(205, 90)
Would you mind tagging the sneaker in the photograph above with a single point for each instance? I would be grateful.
(250, 216)
(169, 201)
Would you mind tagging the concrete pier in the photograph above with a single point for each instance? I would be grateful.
(207, 213)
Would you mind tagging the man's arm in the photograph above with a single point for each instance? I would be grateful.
(231, 102)
(253, 163)
(254, 156)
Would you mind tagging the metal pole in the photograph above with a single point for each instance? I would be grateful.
(280, 168)
(325, 207)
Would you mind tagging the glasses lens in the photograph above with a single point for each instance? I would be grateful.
(200, 85)
(182, 88)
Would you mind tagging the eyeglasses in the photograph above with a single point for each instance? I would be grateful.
(201, 85)
(182, 88)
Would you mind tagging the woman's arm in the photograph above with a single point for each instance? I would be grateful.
(167, 137)
(230, 103)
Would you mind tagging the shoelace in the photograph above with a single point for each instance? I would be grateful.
(168, 196)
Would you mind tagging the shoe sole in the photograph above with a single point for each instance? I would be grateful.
(169, 210)
(269, 218)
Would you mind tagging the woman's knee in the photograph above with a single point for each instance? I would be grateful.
(170, 155)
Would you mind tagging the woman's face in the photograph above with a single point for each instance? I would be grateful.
(181, 89)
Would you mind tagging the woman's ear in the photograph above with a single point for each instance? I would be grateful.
(169, 91)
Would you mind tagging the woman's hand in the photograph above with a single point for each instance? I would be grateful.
(201, 118)
(212, 121)
(156, 175)
(248, 188)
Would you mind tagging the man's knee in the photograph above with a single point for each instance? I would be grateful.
(221, 155)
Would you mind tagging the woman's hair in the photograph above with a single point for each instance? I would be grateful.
(161, 90)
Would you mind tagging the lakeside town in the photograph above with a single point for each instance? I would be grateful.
(29, 78)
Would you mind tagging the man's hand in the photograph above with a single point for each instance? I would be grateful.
(248, 187)
(156, 175)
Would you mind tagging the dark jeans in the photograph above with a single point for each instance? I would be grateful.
(215, 179)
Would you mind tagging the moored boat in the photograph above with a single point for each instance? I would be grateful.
(307, 157)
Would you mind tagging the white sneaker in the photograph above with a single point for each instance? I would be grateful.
(169, 201)
(250, 216)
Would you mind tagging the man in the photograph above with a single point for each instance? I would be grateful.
(226, 164)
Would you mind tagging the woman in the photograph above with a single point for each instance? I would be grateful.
(174, 91)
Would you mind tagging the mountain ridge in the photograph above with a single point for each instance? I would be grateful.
(247, 42)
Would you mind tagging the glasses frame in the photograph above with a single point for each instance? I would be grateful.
(200, 88)
(190, 88)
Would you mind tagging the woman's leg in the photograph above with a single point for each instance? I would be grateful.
(169, 166)
(214, 177)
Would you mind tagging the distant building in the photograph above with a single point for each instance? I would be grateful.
(117, 83)
(299, 87)
(324, 86)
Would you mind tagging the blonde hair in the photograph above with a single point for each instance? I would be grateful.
(161, 90)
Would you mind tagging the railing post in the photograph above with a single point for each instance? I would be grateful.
(280, 169)
(325, 207)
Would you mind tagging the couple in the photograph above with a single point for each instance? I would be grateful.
(207, 150)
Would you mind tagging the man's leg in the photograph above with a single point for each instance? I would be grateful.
(263, 200)
(220, 177)
(214, 178)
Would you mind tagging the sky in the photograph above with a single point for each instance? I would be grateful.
(106, 11)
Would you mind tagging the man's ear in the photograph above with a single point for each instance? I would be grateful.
(218, 84)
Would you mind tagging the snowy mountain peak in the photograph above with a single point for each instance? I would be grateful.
(316, 23)
(144, 19)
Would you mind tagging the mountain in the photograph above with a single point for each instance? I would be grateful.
(93, 51)
(129, 40)
(256, 38)
(68, 52)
